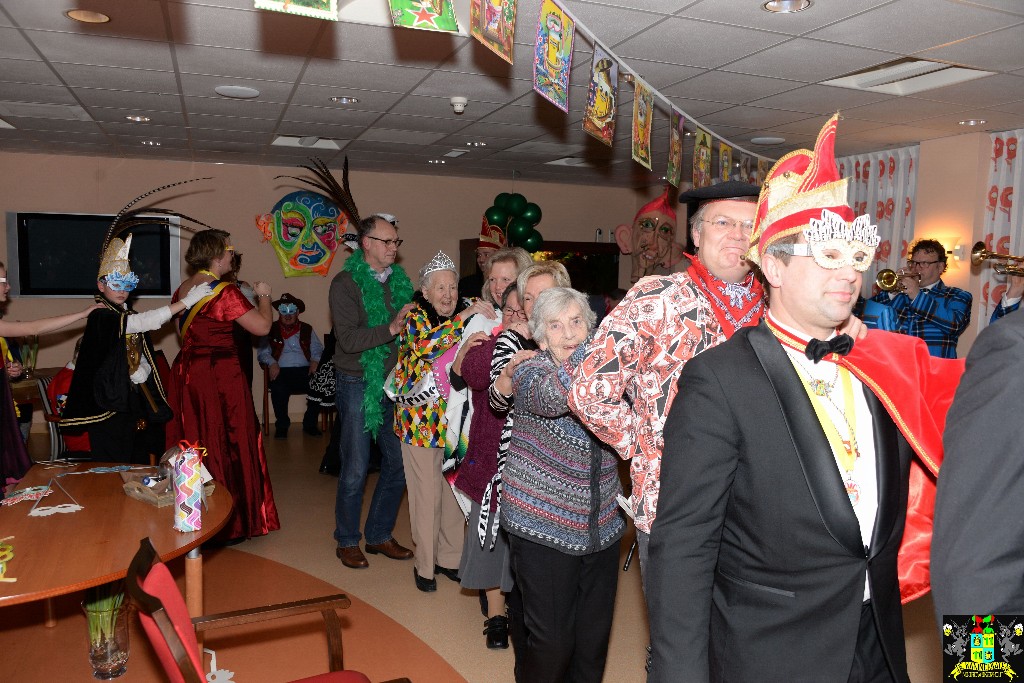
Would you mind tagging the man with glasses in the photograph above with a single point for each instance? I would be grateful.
(927, 307)
(369, 299)
(291, 353)
(625, 379)
(116, 394)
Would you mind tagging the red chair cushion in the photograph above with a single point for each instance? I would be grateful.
(160, 583)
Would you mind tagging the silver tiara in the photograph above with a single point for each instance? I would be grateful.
(439, 262)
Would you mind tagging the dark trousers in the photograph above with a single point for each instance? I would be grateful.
(292, 381)
(567, 603)
(118, 439)
(869, 664)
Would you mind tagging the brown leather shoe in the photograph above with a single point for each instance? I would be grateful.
(389, 548)
(352, 557)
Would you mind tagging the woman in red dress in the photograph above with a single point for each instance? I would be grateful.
(209, 393)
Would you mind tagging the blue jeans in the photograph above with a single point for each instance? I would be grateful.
(355, 456)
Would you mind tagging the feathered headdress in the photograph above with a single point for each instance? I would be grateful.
(324, 181)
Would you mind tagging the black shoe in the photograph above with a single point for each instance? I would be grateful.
(496, 630)
(452, 574)
(425, 585)
(483, 602)
(312, 431)
(280, 432)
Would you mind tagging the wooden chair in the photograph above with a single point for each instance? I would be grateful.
(172, 631)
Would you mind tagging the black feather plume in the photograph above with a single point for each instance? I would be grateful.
(324, 181)
(127, 214)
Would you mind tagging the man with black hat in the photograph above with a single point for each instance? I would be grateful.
(291, 353)
(624, 380)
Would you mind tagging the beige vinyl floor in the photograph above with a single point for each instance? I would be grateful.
(449, 620)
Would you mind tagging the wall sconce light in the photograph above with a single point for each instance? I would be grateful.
(959, 252)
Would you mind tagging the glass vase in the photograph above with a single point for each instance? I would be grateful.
(108, 640)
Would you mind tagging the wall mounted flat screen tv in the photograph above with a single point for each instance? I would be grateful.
(58, 255)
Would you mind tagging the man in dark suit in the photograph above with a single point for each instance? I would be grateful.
(978, 553)
(784, 480)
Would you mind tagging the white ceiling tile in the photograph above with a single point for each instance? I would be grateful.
(696, 108)
(820, 99)
(53, 125)
(441, 107)
(250, 29)
(696, 43)
(422, 123)
(735, 88)
(748, 14)
(362, 75)
(156, 118)
(334, 132)
(217, 61)
(128, 18)
(230, 123)
(118, 78)
(225, 106)
(126, 129)
(752, 117)
(408, 137)
(447, 84)
(807, 60)
(94, 97)
(14, 46)
(27, 71)
(342, 116)
(657, 74)
(386, 45)
(76, 48)
(899, 110)
(612, 24)
(197, 85)
(29, 92)
(369, 100)
(981, 92)
(1011, 6)
(997, 51)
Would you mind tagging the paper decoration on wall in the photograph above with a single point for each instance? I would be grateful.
(493, 23)
(552, 55)
(675, 149)
(762, 171)
(724, 161)
(428, 15)
(318, 9)
(602, 97)
(643, 121)
(701, 158)
(304, 228)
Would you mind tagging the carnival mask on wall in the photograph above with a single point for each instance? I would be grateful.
(651, 239)
(305, 229)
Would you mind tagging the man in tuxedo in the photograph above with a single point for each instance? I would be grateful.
(978, 554)
(784, 480)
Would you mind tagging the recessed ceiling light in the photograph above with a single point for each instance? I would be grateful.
(435, 161)
(151, 143)
(785, 6)
(476, 144)
(687, 133)
(767, 140)
(135, 118)
(237, 92)
(973, 122)
(344, 100)
(86, 16)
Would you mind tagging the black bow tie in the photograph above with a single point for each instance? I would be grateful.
(818, 349)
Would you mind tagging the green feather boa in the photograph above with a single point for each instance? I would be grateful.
(372, 360)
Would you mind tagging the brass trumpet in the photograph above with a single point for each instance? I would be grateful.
(889, 280)
(1004, 264)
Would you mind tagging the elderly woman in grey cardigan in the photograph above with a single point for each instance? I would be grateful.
(559, 507)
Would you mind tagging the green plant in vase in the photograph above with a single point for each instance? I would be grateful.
(106, 616)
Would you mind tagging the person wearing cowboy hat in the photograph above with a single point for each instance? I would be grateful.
(290, 353)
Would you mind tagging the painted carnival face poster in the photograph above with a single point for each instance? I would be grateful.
(602, 97)
(318, 9)
(702, 158)
(643, 121)
(429, 15)
(745, 170)
(675, 149)
(304, 228)
(724, 161)
(762, 171)
(493, 23)
(552, 55)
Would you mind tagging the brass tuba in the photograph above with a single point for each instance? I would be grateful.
(1004, 264)
(889, 280)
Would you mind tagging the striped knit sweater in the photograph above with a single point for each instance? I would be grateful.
(560, 482)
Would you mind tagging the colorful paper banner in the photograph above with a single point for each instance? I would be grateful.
(643, 122)
(724, 161)
(701, 158)
(493, 23)
(428, 15)
(552, 55)
(674, 173)
(318, 9)
(602, 97)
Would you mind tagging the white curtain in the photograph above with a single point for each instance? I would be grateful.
(882, 184)
(1003, 225)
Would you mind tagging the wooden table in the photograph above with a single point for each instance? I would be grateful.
(26, 390)
(69, 552)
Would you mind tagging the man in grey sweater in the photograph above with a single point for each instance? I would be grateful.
(369, 299)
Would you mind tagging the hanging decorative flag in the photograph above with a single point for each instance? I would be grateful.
(746, 172)
(762, 171)
(429, 15)
(643, 121)
(318, 9)
(724, 161)
(552, 55)
(701, 158)
(602, 97)
(675, 149)
(493, 23)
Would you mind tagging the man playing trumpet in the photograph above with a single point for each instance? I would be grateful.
(927, 307)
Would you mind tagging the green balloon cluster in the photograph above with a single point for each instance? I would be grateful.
(518, 218)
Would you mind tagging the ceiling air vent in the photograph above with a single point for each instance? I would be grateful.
(907, 76)
(308, 141)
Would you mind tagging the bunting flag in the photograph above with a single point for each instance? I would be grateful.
(552, 55)
(762, 171)
(602, 97)
(724, 161)
(643, 122)
(493, 23)
(318, 9)
(428, 15)
(675, 149)
(701, 158)
(746, 170)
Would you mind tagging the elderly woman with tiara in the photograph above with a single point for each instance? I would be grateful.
(419, 386)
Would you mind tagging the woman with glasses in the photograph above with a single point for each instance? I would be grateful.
(209, 392)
